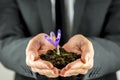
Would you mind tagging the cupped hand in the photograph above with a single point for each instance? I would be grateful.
(37, 46)
(80, 45)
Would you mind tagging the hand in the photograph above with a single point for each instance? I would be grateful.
(80, 45)
(36, 46)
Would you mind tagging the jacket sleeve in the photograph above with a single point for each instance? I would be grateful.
(107, 48)
(13, 38)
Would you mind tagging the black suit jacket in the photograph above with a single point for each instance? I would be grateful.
(98, 20)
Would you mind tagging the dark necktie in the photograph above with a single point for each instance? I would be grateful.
(59, 13)
(60, 20)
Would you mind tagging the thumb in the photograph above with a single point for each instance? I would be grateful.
(85, 57)
(34, 56)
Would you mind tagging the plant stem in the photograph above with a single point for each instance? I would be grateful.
(58, 51)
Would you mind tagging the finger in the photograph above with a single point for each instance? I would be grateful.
(77, 51)
(74, 49)
(49, 64)
(34, 43)
(32, 55)
(46, 72)
(67, 47)
(40, 64)
(88, 65)
(78, 64)
(73, 65)
(85, 57)
(87, 51)
(44, 50)
(54, 70)
(32, 47)
(74, 72)
(37, 43)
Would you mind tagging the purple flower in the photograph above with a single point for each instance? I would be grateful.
(53, 39)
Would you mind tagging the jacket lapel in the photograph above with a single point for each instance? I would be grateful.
(79, 8)
(45, 12)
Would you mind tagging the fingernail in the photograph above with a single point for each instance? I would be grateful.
(32, 57)
(52, 72)
(86, 59)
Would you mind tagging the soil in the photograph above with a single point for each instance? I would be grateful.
(59, 61)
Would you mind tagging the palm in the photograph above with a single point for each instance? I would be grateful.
(79, 45)
(37, 46)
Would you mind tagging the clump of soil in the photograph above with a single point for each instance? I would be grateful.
(61, 60)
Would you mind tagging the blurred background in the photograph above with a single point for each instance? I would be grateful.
(6, 74)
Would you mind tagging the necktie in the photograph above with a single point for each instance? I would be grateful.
(59, 13)
(61, 20)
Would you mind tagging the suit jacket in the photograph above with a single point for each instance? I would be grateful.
(98, 20)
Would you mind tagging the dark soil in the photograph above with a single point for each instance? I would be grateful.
(61, 60)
